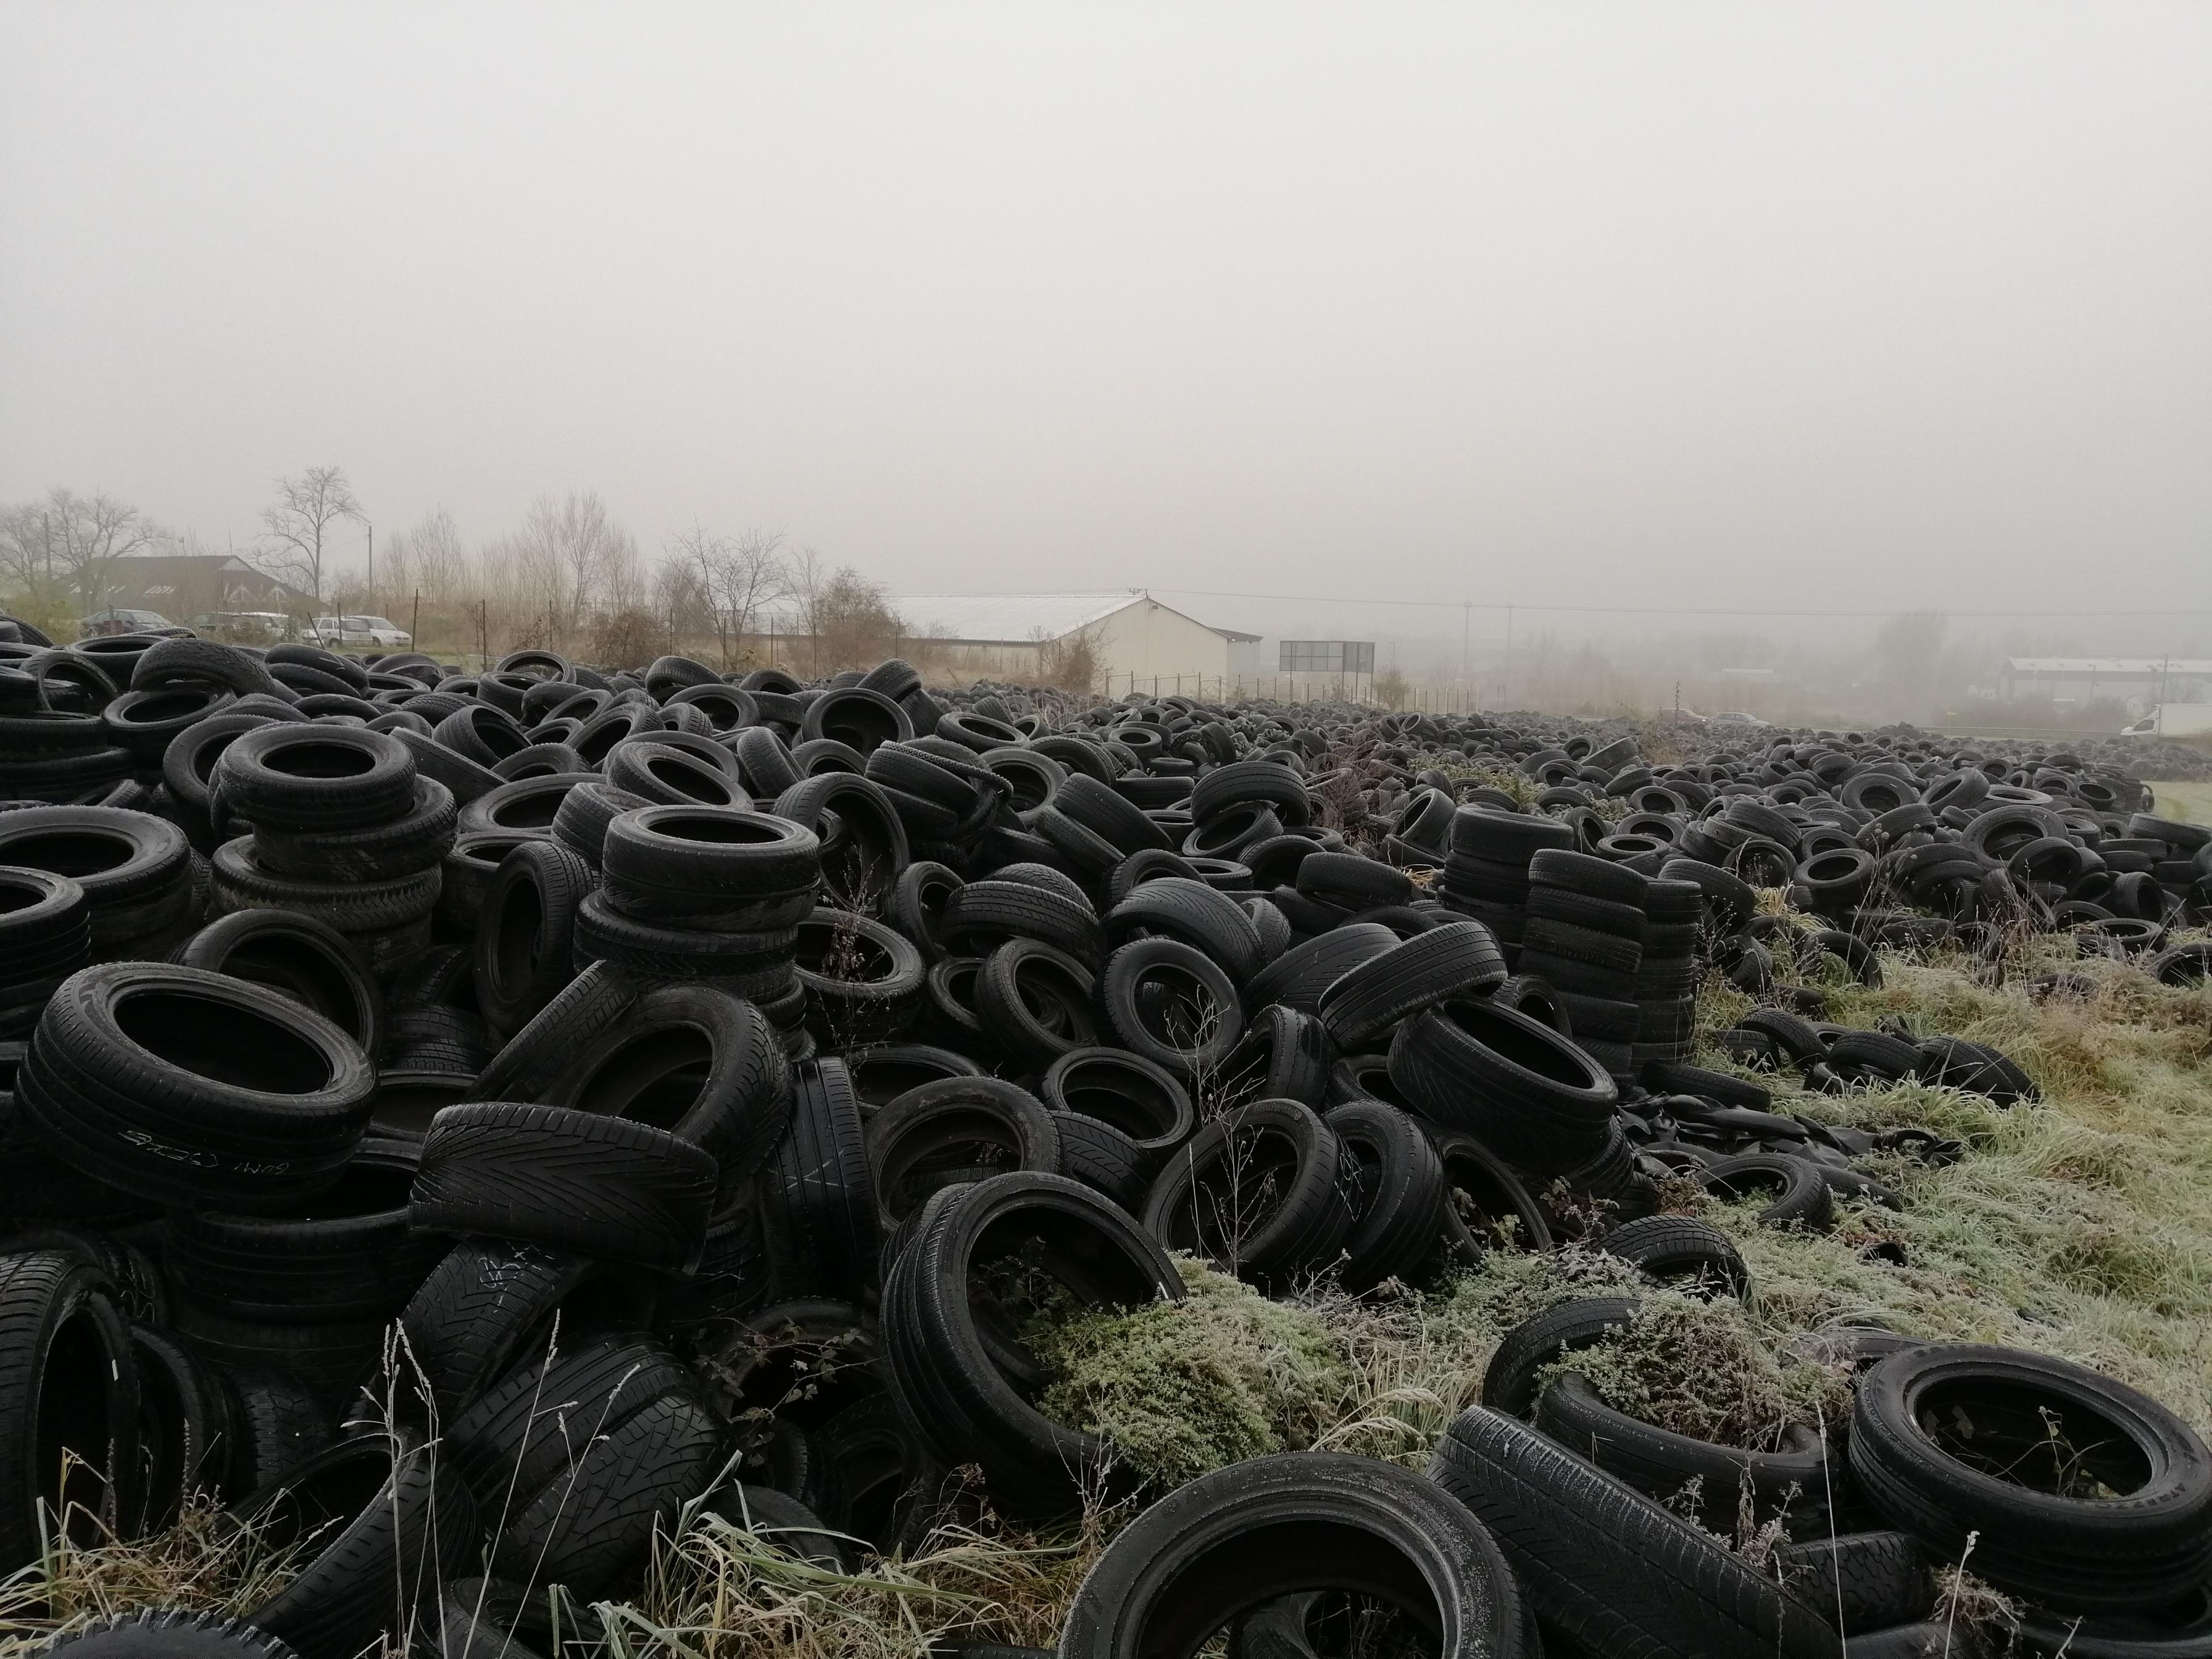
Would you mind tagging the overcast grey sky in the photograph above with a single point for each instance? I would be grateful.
(1666, 304)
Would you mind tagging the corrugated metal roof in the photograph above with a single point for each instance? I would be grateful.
(992, 618)
(2108, 665)
(1004, 618)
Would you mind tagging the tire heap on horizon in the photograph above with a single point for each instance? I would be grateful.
(386, 1051)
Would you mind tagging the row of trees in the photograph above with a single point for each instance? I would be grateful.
(570, 576)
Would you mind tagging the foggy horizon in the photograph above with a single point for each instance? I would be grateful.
(1701, 307)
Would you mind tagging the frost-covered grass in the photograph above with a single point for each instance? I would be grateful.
(2080, 1225)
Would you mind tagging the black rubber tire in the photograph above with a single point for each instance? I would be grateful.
(1485, 1199)
(1789, 1484)
(1296, 1172)
(184, 1429)
(2149, 1545)
(1509, 1384)
(1251, 782)
(1197, 1020)
(861, 865)
(484, 1309)
(1861, 1581)
(917, 905)
(759, 966)
(1873, 1055)
(753, 870)
(1801, 1197)
(882, 1074)
(1792, 1034)
(170, 662)
(242, 882)
(1668, 1076)
(279, 1423)
(591, 1527)
(298, 957)
(1231, 1542)
(943, 1366)
(526, 933)
(1145, 1101)
(1352, 882)
(1674, 1248)
(943, 1132)
(704, 1065)
(1976, 1068)
(218, 1091)
(134, 868)
(468, 780)
(1105, 1159)
(1460, 959)
(1196, 914)
(1103, 811)
(1516, 1084)
(984, 914)
(478, 1619)
(146, 722)
(2181, 1631)
(863, 979)
(382, 1523)
(573, 1179)
(349, 1257)
(1303, 972)
(1283, 1055)
(1611, 1570)
(1271, 925)
(416, 841)
(1398, 1215)
(1729, 902)
(67, 1384)
(170, 1633)
(782, 1523)
(818, 1202)
(309, 775)
(537, 1057)
(765, 760)
(1036, 1002)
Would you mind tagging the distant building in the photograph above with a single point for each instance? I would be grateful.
(182, 585)
(2140, 681)
(1133, 639)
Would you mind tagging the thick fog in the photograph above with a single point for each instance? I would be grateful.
(1861, 307)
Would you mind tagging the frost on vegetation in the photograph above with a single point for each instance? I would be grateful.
(1184, 1387)
(1704, 1370)
(1464, 775)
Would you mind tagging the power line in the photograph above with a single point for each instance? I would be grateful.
(1511, 605)
(1650, 610)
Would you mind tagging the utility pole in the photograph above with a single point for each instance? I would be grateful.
(372, 563)
(415, 632)
(1465, 629)
(1508, 653)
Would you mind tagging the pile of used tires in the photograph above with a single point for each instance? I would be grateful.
(465, 1123)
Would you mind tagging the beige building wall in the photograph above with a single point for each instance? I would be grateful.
(1146, 639)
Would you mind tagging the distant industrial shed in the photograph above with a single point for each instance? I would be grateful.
(1131, 636)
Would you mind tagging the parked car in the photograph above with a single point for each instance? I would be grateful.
(248, 627)
(101, 624)
(1736, 717)
(378, 632)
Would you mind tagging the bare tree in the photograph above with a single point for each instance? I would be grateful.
(809, 578)
(296, 525)
(427, 557)
(68, 544)
(852, 624)
(729, 581)
(572, 557)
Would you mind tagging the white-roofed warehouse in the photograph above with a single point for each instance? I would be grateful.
(1130, 638)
